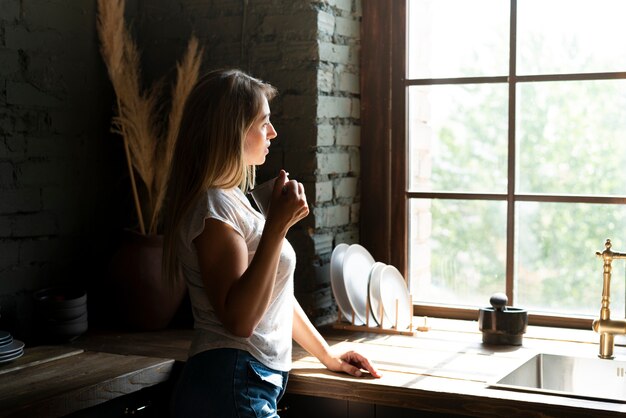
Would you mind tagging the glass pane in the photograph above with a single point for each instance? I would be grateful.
(570, 36)
(570, 137)
(458, 138)
(457, 38)
(457, 250)
(556, 267)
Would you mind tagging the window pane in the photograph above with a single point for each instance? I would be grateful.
(570, 137)
(458, 138)
(557, 269)
(570, 36)
(457, 250)
(457, 38)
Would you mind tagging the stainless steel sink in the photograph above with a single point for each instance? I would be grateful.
(592, 378)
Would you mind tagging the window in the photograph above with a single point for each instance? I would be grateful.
(493, 156)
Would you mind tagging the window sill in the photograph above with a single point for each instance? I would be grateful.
(449, 312)
(533, 332)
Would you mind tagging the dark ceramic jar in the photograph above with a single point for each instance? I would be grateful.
(500, 324)
(141, 299)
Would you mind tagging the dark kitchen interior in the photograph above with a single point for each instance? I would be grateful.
(66, 209)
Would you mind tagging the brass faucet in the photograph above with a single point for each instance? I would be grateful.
(605, 326)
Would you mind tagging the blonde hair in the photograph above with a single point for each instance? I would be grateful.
(217, 115)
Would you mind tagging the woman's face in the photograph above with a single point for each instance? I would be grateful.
(257, 142)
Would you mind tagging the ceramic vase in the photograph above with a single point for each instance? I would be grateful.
(143, 300)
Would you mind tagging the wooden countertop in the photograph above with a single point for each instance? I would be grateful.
(52, 381)
(445, 370)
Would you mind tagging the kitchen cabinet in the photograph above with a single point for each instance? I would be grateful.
(300, 406)
(151, 402)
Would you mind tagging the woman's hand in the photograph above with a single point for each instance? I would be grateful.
(353, 364)
(288, 204)
(305, 334)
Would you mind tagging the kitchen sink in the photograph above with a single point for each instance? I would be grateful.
(591, 378)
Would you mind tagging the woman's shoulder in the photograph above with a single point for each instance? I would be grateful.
(215, 195)
(213, 203)
(226, 199)
(229, 206)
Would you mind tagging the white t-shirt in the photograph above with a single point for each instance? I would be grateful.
(270, 342)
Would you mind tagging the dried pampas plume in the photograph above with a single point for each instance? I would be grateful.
(148, 147)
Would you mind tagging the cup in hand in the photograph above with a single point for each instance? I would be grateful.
(262, 195)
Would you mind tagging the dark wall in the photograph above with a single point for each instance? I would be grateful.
(64, 190)
(308, 49)
(60, 173)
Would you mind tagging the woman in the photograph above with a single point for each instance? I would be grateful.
(238, 265)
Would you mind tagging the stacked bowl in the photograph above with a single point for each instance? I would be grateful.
(62, 313)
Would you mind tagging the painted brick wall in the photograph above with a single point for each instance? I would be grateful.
(336, 209)
(57, 169)
(63, 188)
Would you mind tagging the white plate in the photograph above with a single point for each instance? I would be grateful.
(374, 291)
(14, 347)
(357, 264)
(336, 280)
(6, 341)
(12, 354)
(12, 357)
(393, 288)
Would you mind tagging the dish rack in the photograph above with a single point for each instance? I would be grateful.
(380, 328)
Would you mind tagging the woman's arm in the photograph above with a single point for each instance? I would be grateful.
(305, 334)
(240, 293)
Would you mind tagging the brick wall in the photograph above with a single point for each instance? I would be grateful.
(57, 169)
(62, 178)
(336, 208)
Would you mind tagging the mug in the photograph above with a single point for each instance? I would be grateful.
(262, 195)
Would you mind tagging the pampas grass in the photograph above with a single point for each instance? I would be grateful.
(148, 145)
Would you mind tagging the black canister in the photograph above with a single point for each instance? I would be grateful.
(502, 325)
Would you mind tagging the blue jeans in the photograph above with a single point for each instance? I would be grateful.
(227, 383)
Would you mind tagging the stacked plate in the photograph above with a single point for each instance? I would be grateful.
(10, 349)
(366, 291)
